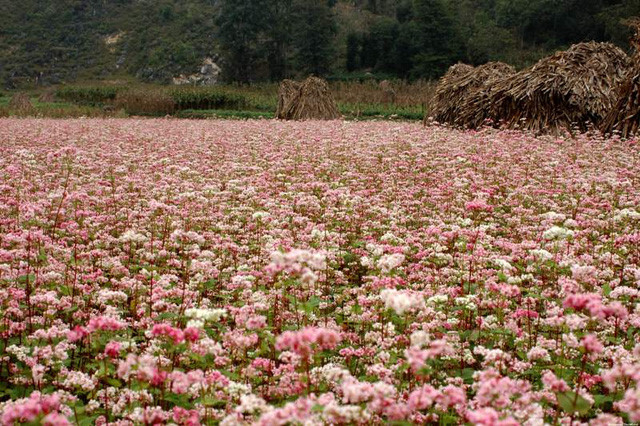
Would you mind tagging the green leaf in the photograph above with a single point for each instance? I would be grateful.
(113, 382)
(572, 403)
(88, 421)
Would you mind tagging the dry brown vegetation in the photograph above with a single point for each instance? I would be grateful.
(570, 90)
(309, 100)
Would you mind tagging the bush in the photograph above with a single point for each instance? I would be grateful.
(88, 95)
(207, 98)
(145, 102)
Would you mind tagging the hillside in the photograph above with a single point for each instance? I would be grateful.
(52, 41)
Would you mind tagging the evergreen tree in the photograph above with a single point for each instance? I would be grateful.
(353, 52)
(438, 44)
(241, 24)
(313, 30)
(278, 34)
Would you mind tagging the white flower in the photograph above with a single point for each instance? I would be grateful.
(542, 254)
(390, 261)
(503, 264)
(131, 236)
(205, 314)
(626, 214)
(557, 233)
(401, 302)
(438, 298)
(260, 215)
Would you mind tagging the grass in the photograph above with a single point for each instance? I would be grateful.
(357, 100)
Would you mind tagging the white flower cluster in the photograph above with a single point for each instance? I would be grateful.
(389, 237)
(400, 301)
(200, 316)
(131, 236)
(626, 214)
(237, 390)
(468, 302)
(80, 380)
(315, 260)
(438, 298)
(557, 233)
(259, 215)
(420, 338)
(503, 264)
(553, 216)
(106, 296)
(390, 261)
(541, 255)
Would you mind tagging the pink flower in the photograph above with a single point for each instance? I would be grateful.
(112, 349)
(78, 333)
(104, 323)
(174, 334)
(303, 341)
(591, 344)
(191, 334)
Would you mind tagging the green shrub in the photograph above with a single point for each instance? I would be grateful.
(145, 102)
(88, 95)
(207, 98)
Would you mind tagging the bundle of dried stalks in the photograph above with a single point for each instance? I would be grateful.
(313, 101)
(624, 117)
(474, 109)
(450, 93)
(145, 102)
(287, 91)
(569, 90)
(47, 97)
(389, 95)
(20, 102)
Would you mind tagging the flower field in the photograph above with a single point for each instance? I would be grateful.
(271, 273)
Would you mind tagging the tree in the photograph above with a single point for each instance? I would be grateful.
(438, 42)
(278, 38)
(241, 24)
(313, 28)
(353, 51)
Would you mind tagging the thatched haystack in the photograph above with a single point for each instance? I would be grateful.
(20, 102)
(565, 91)
(450, 93)
(47, 97)
(624, 117)
(287, 91)
(313, 101)
(389, 95)
(474, 109)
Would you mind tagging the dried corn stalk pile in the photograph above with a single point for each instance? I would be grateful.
(566, 91)
(450, 93)
(476, 109)
(287, 91)
(311, 101)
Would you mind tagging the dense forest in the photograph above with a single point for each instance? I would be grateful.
(51, 41)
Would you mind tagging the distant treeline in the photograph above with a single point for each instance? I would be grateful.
(51, 41)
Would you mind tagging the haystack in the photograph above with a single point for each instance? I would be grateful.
(450, 93)
(21, 102)
(568, 90)
(389, 95)
(313, 101)
(47, 97)
(624, 117)
(288, 90)
(474, 109)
